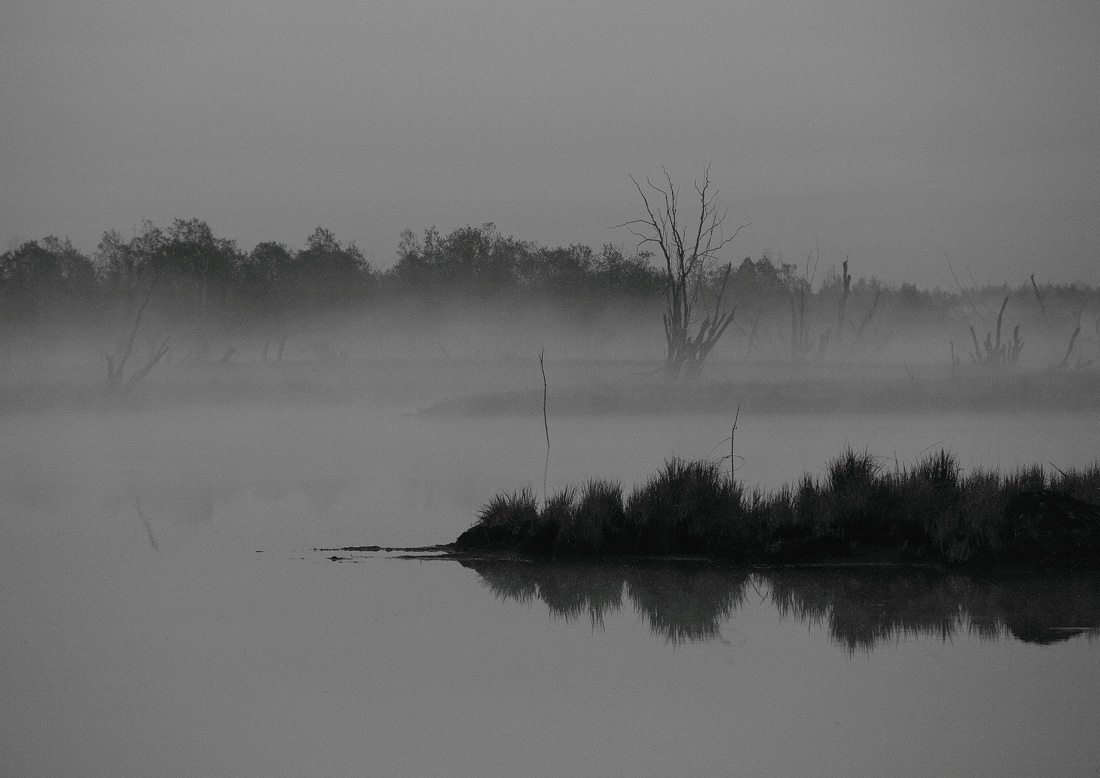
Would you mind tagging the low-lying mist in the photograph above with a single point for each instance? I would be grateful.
(178, 315)
(482, 359)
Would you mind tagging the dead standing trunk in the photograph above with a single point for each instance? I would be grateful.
(689, 251)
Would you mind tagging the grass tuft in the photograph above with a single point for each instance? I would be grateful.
(852, 471)
(502, 522)
(597, 522)
(929, 512)
(941, 469)
(688, 506)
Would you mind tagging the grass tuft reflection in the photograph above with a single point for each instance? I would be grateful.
(862, 607)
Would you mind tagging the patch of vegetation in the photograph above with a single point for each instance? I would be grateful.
(930, 512)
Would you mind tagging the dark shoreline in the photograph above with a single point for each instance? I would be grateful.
(887, 560)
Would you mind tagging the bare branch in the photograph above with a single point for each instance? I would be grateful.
(690, 280)
(961, 290)
(113, 387)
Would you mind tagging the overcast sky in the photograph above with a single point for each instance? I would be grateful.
(888, 131)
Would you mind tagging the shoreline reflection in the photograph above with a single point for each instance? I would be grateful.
(860, 607)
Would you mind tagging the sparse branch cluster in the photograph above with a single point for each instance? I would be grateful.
(689, 248)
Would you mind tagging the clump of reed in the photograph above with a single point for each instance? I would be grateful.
(859, 508)
(585, 522)
(688, 507)
(506, 520)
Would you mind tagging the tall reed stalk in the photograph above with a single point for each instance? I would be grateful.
(546, 426)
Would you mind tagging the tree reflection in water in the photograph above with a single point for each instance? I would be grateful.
(861, 607)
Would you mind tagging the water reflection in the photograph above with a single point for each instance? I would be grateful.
(864, 607)
(681, 602)
(861, 607)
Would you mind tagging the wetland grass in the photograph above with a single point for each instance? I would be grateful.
(859, 510)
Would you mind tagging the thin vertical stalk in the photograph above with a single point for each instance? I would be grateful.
(546, 426)
(1038, 296)
(732, 434)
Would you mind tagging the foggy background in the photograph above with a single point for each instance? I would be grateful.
(889, 132)
(240, 363)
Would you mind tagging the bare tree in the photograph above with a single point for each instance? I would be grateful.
(689, 248)
(113, 388)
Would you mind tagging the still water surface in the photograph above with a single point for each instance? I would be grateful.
(165, 613)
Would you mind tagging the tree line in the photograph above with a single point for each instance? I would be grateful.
(193, 272)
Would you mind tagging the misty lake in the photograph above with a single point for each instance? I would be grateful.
(166, 612)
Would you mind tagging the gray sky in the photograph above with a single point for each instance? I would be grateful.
(888, 131)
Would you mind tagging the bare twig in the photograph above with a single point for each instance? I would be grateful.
(546, 426)
(1000, 317)
(752, 334)
(158, 352)
(867, 319)
(1038, 296)
(732, 434)
(1072, 341)
(114, 388)
(847, 280)
(799, 334)
(145, 523)
(961, 290)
